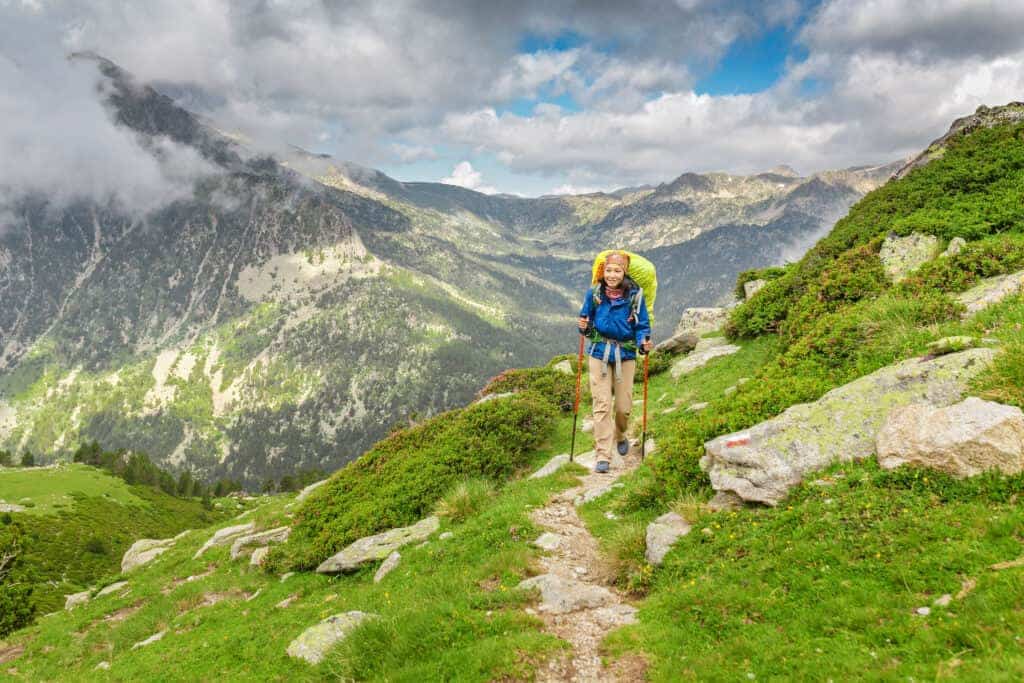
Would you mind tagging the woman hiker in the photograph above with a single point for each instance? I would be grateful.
(614, 318)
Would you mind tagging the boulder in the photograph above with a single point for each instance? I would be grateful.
(753, 287)
(587, 426)
(697, 321)
(662, 533)
(75, 599)
(259, 539)
(312, 645)
(955, 246)
(223, 536)
(763, 462)
(259, 556)
(378, 546)
(149, 641)
(389, 563)
(553, 465)
(903, 255)
(563, 366)
(963, 439)
(706, 349)
(143, 551)
(991, 291)
(560, 595)
(684, 342)
(304, 493)
(112, 588)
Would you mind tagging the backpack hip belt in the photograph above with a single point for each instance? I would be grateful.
(607, 358)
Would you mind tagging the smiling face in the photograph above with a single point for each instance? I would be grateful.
(614, 273)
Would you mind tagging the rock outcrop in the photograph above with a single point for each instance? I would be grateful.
(551, 466)
(991, 291)
(903, 255)
(662, 533)
(75, 599)
(684, 342)
(762, 463)
(11, 507)
(312, 645)
(224, 536)
(143, 551)
(112, 588)
(378, 546)
(963, 440)
(563, 366)
(259, 539)
(706, 350)
(697, 321)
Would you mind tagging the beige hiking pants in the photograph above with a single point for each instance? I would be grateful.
(609, 429)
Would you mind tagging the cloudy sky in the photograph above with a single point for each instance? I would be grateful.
(529, 97)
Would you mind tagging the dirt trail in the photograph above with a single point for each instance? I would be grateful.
(579, 604)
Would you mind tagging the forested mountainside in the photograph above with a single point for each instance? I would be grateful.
(288, 313)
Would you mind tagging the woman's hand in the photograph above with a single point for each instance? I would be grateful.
(582, 324)
(647, 345)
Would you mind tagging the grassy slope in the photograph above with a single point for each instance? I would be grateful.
(449, 612)
(84, 520)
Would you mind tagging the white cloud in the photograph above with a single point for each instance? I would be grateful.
(58, 139)
(463, 175)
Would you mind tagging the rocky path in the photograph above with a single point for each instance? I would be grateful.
(578, 603)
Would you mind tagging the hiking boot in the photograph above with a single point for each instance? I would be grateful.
(601, 467)
(623, 447)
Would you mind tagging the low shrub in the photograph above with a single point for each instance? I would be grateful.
(556, 387)
(402, 477)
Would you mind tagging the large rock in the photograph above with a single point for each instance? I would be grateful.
(963, 440)
(762, 463)
(312, 645)
(706, 350)
(379, 546)
(75, 599)
(700, 320)
(259, 539)
(684, 342)
(387, 566)
(553, 465)
(903, 255)
(143, 551)
(112, 588)
(991, 291)
(955, 246)
(662, 533)
(224, 536)
(753, 287)
(560, 595)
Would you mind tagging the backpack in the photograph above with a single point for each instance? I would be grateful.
(641, 271)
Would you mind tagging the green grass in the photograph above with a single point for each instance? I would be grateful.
(51, 489)
(450, 611)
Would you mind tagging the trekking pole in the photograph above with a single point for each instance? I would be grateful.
(643, 434)
(576, 405)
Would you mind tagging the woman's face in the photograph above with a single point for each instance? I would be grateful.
(613, 274)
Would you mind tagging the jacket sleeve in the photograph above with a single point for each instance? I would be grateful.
(642, 327)
(588, 305)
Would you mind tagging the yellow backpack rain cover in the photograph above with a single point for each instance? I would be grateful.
(640, 269)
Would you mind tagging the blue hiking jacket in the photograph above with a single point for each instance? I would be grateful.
(611, 319)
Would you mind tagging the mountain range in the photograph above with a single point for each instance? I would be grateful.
(295, 308)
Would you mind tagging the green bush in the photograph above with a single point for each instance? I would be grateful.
(984, 258)
(556, 387)
(17, 608)
(402, 477)
(975, 190)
